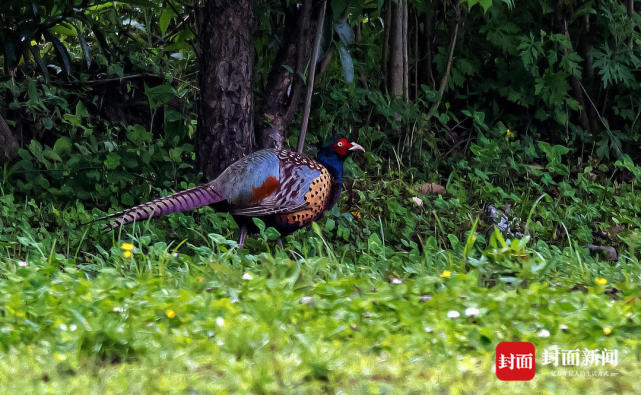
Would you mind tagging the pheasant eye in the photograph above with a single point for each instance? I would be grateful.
(339, 144)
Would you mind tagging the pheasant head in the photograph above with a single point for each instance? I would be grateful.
(333, 154)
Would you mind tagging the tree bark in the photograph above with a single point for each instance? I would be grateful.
(284, 89)
(396, 65)
(386, 44)
(406, 74)
(225, 129)
(8, 143)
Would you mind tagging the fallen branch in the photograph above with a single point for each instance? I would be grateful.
(114, 79)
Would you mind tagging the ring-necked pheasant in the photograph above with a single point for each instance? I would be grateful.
(285, 189)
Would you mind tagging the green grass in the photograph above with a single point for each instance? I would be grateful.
(358, 303)
(201, 326)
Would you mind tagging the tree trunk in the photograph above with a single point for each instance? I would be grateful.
(386, 44)
(396, 65)
(284, 89)
(406, 61)
(225, 130)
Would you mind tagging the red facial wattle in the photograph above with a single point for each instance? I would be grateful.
(343, 146)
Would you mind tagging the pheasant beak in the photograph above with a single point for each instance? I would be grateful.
(356, 147)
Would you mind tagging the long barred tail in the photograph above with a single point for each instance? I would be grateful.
(188, 199)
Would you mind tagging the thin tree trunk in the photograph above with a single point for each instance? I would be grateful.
(589, 81)
(386, 44)
(416, 54)
(406, 74)
(396, 71)
(284, 90)
(630, 9)
(310, 77)
(448, 67)
(575, 82)
(225, 122)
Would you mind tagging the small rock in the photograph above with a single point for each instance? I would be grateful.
(432, 188)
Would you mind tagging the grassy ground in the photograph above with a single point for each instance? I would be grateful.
(391, 297)
(211, 325)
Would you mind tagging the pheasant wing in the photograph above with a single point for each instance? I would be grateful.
(297, 173)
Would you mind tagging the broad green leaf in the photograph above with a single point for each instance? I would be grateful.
(84, 46)
(61, 52)
(35, 52)
(62, 145)
(112, 161)
(166, 16)
(159, 95)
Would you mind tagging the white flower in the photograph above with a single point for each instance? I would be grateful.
(73, 327)
(471, 312)
(22, 263)
(563, 327)
(308, 300)
(395, 280)
(246, 276)
(428, 329)
(544, 333)
(453, 314)
(418, 201)
(175, 255)
(220, 321)
(119, 309)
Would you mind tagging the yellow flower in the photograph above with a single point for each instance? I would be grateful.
(600, 281)
(201, 279)
(127, 246)
(607, 330)
(446, 274)
(127, 254)
(170, 313)
(509, 133)
(356, 214)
